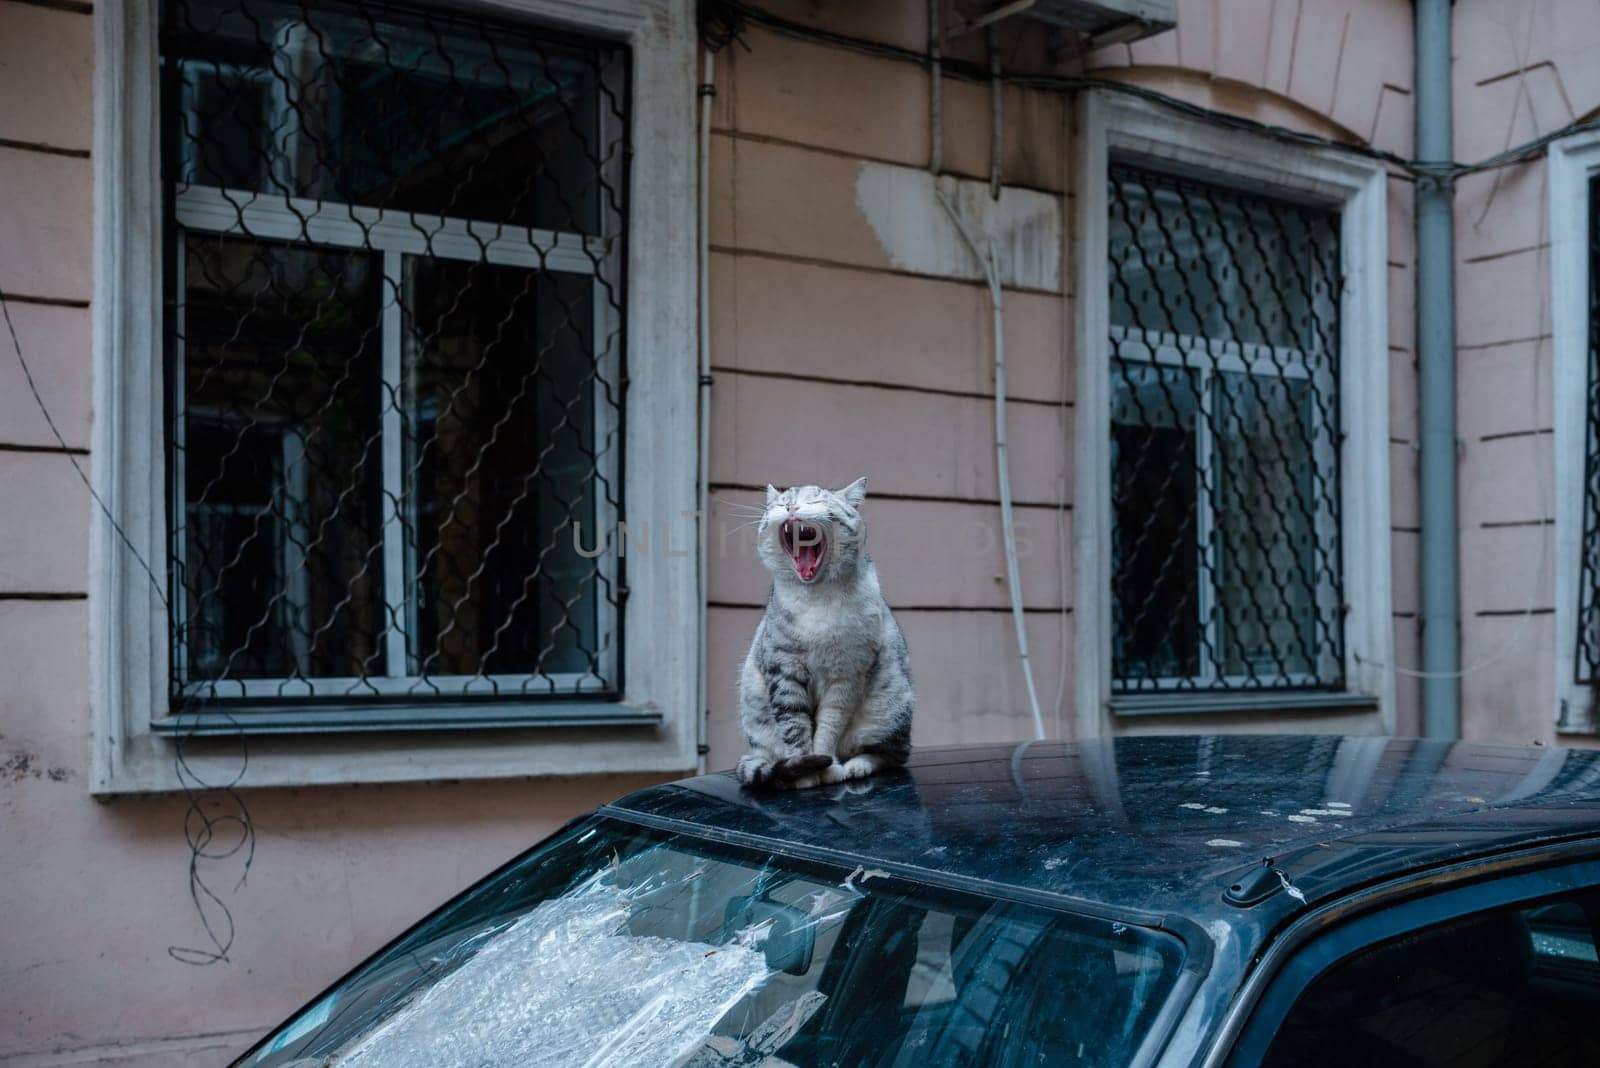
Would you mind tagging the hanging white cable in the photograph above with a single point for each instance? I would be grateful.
(1007, 519)
(702, 687)
(989, 262)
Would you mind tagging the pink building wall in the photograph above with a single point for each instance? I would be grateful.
(1521, 70)
(830, 362)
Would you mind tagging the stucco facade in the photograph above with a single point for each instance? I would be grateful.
(835, 352)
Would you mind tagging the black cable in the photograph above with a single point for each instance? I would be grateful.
(730, 16)
(33, 387)
(200, 827)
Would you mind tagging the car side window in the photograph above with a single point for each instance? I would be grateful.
(1512, 986)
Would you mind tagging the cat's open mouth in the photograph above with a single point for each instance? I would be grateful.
(806, 546)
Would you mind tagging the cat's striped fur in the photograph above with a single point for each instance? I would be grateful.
(825, 692)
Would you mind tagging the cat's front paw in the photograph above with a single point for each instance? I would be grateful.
(799, 767)
(830, 773)
(834, 772)
(754, 770)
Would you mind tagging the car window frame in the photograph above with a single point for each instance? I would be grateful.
(1386, 922)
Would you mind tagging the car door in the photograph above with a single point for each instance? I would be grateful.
(1503, 971)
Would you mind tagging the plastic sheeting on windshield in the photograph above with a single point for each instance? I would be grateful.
(568, 985)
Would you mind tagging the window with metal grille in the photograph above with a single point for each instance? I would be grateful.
(1588, 658)
(394, 356)
(1226, 566)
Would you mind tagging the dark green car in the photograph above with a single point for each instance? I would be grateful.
(1289, 900)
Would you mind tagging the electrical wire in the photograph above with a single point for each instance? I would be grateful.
(730, 16)
(201, 828)
(33, 387)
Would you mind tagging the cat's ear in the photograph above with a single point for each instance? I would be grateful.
(772, 495)
(856, 492)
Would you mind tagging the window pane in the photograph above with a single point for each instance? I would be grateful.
(364, 104)
(1194, 259)
(501, 462)
(1269, 563)
(278, 446)
(227, 112)
(1156, 562)
(1228, 570)
(1514, 986)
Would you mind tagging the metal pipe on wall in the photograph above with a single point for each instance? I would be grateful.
(702, 703)
(1436, 355)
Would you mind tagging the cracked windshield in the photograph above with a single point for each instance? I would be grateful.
(617, 946)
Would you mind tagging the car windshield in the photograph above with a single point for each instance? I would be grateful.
(616, 945)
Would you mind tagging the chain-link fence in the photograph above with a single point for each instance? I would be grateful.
(1588, 658)
(394, 316)
(1225, 426)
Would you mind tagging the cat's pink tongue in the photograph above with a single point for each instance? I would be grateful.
(806, 560)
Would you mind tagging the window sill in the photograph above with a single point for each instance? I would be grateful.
(1193, 703)
(253, 718)
(569, 740)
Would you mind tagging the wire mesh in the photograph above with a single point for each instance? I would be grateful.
(1588, 658)
(1226, 566)
(395, 324)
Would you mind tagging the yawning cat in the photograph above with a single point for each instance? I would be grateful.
(825, 693)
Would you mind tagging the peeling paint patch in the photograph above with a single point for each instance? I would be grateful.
(1224, 843)
(901, 206)
(18, 766)
(1302, 819)
(1320, 812)
(1197, 806)
(1214, 810)
(1337, 804)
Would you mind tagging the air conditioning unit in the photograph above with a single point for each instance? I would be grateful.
(1097, 22)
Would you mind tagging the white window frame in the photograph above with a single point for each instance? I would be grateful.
(1573, 162)
(654, 727)
(1219, 356)
(311, 224)
(1117, 126)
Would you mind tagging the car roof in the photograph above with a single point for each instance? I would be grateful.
(1163, 826)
